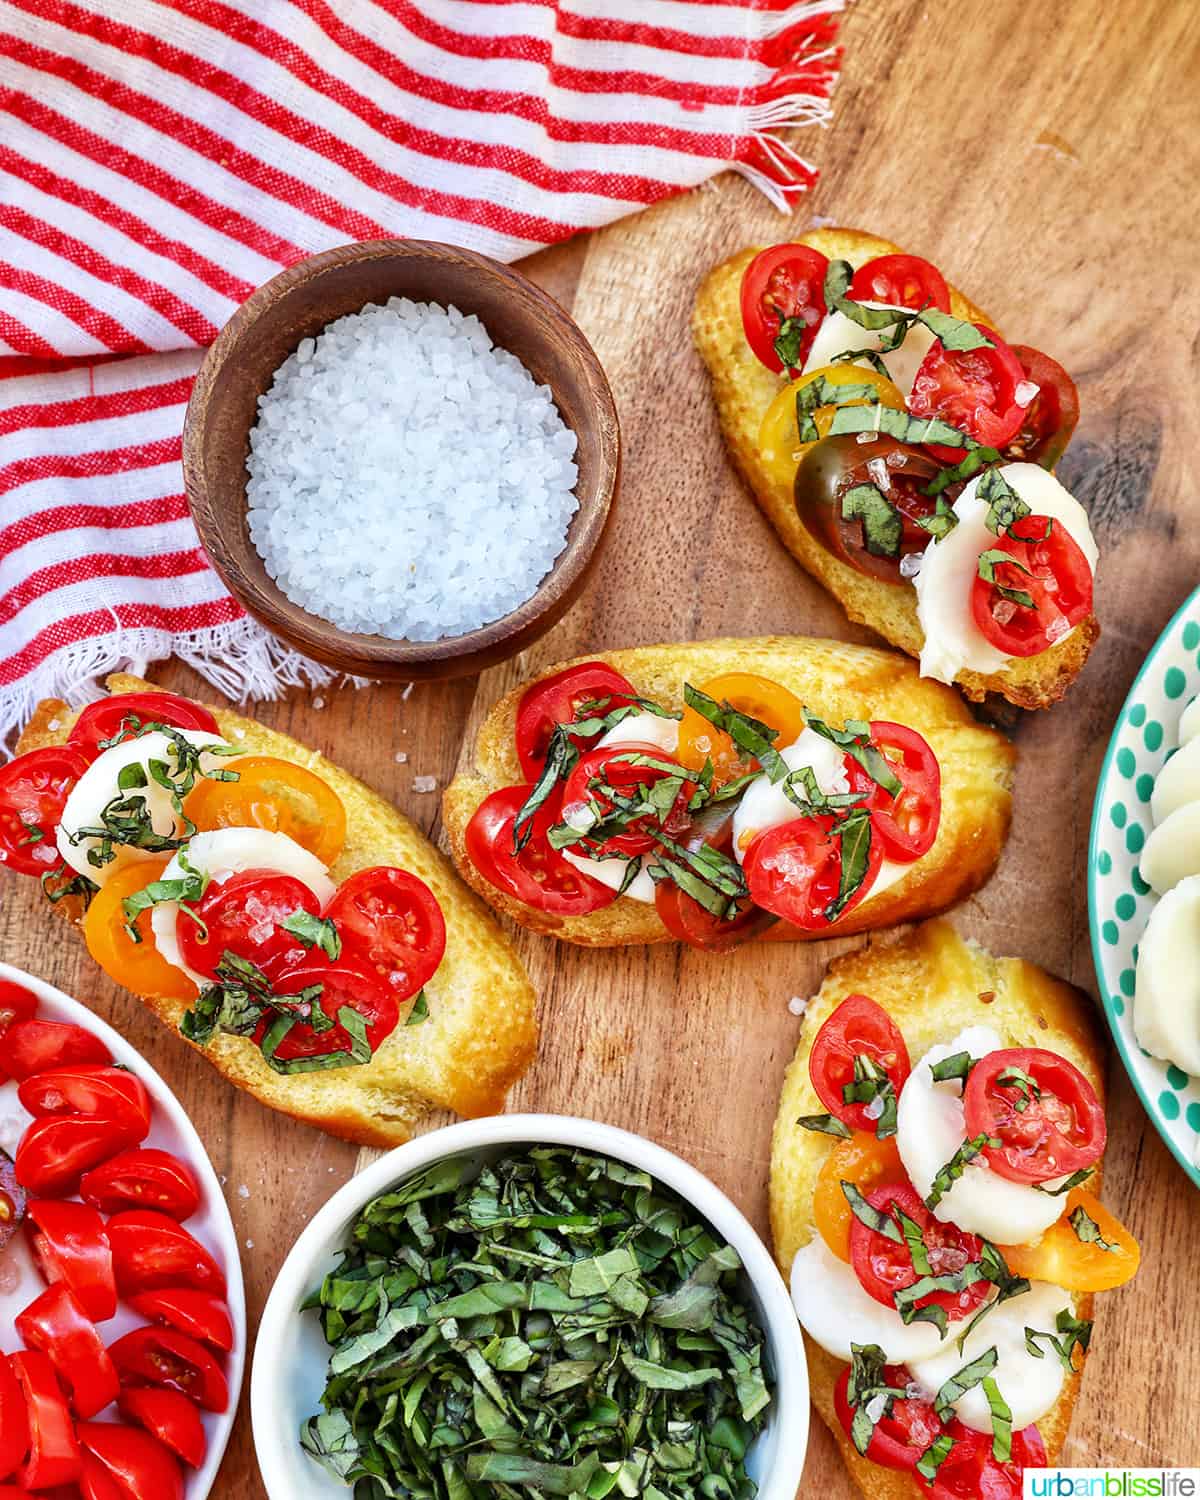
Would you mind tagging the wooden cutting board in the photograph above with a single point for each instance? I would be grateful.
(1046, 157)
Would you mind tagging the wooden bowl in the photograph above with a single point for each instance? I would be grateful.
(297, 304)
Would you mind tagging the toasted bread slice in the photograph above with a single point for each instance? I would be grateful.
(481, 1032)
(838, 681)
(744, 388)
(933, 985)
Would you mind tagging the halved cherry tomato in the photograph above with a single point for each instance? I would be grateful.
(33, 1046)
(16, 1004)
(1041, 1108)
(342, 986)
(57, 1324)
(557, 700)
(56, 1151)
(200, 1314)
(1051, 417)
(683, 916)
(786, 282)
(970, 1472)
(868, 1163)
(906, 824)
(277, 795)
(759, 698)
(109, 717)
(53, 1456)
(140, 967)
(901, 1435)
(1061, 1257)
(14, 1426)
(164, 1357)
(138, 1464)
(151, 1251)
(168, 1416)
(391, 925)
(900, 281)
(538, 875)
(146, 1178)
(12, 1199)
(779, 447)
(884, 1266)
(1048, 566)
(244, 914)
(794, 871)
(33, 791)
(975, 390)
(101, 1090)
(615, 766)
(857, 1028)
(70, 1246)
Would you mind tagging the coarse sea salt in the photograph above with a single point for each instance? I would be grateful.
(407, 477)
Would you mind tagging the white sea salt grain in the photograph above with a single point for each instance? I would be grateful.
(798, 1004)
(424, 783)
(407, 478)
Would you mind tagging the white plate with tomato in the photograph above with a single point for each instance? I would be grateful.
(122, 1312)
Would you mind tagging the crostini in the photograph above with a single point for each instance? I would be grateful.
(289, 922)
(934, 1180)
(903, 452)
(725, 790)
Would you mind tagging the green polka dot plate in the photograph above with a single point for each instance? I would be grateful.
(1119, 900)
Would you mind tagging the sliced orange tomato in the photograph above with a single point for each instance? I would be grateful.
(140, 967)
(1079, 1265)
(865, 1161)
(760, 698)
(274, 794)
(779, 447)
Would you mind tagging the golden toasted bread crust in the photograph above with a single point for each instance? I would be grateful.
(838, 681)
(933, 985)
(744, 388)
(481, 1032)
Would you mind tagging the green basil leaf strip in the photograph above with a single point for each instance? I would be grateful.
(853, 834)
(953, 333)
(821, 392)
(914, 1238)
(874, 1218)
(855, 739)
(935, 1456)
(956, 1166)
(940, 522)
(1075, 1333)
(712, 900)
(863, 356)
(868, 1387)
(1087, 1231)
(755, 738)
(76, 885)
(837, 282)
(825, 1124)
(957, 1066)
(1005, 506)
(901, 425)
(966, 468)
(963, 1380)
(314, 932)
(994, 1269)
(872, 1086)
(33, 834)
(882, 524)
(1026, 1086)
(1065, 1187)
(419, 1010)
(907, 1298)
(1001, 1420)
(989, 561)
(788, 341)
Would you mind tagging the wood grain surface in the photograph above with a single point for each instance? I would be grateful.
(1045, 156)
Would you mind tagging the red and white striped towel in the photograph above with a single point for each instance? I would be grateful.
(159, 159)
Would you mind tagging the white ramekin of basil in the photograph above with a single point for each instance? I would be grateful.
(530, 1304)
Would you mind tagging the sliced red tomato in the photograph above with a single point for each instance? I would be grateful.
(57, 1324)
(165, 1357)
(1041, 1108)
(1049, 567)
(33, 791)
(16, 1004)
(970, 1472)
(146, 1178)
(200, 1314)
(784, 283)
(70, 1245)
(56, 1151)
(857, 1028)
(975, 390)
(685, 918)
(244, 914)
(100, 1090)
(342, 987)
(884, 1266)
(152, 1251)
(391, 925)
(53, 1456)
(168, 1416)
(538, 875)
(138, 1464)
(557, 700)
(901, 1435)
(905, 824)
(14, 1426)
(900, 281)
(34, 1046)
(794, 871)
(1051, 417)
(128, 713)
(95, 1482)
(614, 766)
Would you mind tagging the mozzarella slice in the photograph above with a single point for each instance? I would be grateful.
(764, 803)
(98, 786)
(953, 641)
(1178, 783)
(1166, 1002)
(225, 852)
(1029, 1385)
(648, 728)
(1189, 723)
(929, 1130)
(611, 872)
(839, 334)
(1172, 852)
(834, 1310)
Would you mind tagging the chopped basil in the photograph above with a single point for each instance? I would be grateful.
(1026, 1086)
(803, 790)
(821, 392)
(874, 1218)
(855, 739)
(901, 425)
(837, 282)
(935, 1456)
(1005, 506)
(825, 1124)
(853, 834)
(956, 1166)
(870, 1083)
(74, 885)
(1076, 1333)
(419, 1011)
(966, 468)
(34, 834)
(914, 1238)
(957, 1066)
(314, 932)
(882, 524)
(749, 735)
(189, 887)
(953, 333)
(1087, 1231)
(963, 1380)
(906, 1298)
(1065, 1187)
(788, 341)
(989, 561)
(866, 1386)
(868, 356)
(1001, 1420)
(940, 522)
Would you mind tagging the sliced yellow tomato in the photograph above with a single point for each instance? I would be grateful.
(1079, 1265)
(865, 1161)
(140, 967)
(768, 702)
(779, 445)
(274, 794)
